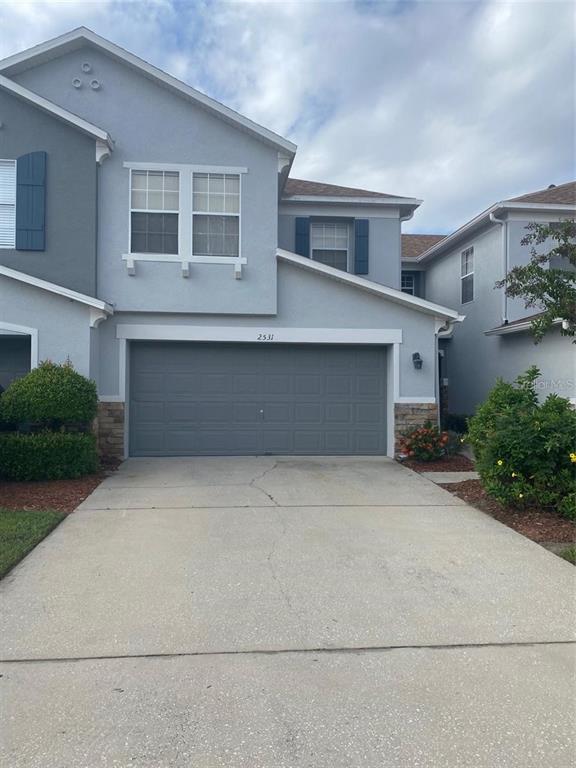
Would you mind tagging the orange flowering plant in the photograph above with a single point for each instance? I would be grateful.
(425, 443)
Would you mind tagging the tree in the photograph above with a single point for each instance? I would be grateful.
(548, 281)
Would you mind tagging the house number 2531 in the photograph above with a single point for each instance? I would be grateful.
(265, 337)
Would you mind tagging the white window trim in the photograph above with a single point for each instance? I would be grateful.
(468, 274)
(12, 245)
(347, 249)
(184, 257)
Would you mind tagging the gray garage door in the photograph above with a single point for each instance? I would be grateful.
(241, 399)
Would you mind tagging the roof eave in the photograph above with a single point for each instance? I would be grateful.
(383, 291)
(396, 202)
(16, 63)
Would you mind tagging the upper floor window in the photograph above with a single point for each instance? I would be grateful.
(7, 203)
(467, 275)
(155, 210)
(216, 214)
(407, 284)
(329, 243)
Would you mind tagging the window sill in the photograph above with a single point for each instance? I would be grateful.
(131, 258)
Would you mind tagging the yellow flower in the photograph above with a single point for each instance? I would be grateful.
(499, 462)
(573, 458)
(520, 495)
(514, 474)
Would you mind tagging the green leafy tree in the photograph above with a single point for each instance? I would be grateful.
(548, 281)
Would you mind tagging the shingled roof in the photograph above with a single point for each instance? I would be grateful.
(301, 187)
(563, 194)
(414, 245)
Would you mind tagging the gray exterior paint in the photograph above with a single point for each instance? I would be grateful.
(305, 300)
(63, 325)
(14, 358)
(384, 238)
(70, 255)
(245, 399)
(151, 124)
(473, 360)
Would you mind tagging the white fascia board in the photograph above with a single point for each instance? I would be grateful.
(58, 289)
(53, 109)
(43, 51)
(395, 201)
(413, 302)
(484, 218)
(526, 325)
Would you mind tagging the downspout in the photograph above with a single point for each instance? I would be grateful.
(504, 224)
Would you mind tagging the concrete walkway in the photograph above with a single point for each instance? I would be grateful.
(271, 613)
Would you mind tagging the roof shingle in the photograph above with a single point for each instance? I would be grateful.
(414, 245)
(563, 194)
(301, 187)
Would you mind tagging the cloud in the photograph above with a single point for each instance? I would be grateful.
(459, 103)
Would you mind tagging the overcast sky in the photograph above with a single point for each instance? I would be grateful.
(458, 103)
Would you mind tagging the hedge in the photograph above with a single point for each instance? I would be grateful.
(50, 395)
(47, 455)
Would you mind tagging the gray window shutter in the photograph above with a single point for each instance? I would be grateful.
(302, 236)
(31, 202)
(361, 246)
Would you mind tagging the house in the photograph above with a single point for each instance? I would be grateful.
(152, 236)
(495, 340)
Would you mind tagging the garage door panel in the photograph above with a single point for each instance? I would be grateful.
(201, 399)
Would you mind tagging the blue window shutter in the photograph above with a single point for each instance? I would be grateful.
(361, 246)
(31, 202)
(302, 236)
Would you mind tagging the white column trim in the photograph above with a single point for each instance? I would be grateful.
(26, 331)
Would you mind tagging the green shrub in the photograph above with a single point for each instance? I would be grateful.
(524, 450)
(423, 443)
(455, 422)
(47, 455)
(567, 506)
(51, 395)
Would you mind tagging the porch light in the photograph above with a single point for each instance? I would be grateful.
(417, 360)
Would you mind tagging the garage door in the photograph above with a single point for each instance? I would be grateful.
(241, 399)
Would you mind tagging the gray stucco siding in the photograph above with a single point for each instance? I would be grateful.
(384, 236)
(151, 124)
(63, 325)
(305, 300)
(70, 255)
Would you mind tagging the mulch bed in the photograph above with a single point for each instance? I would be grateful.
(445, 464)
(61, 495)
(540, 525)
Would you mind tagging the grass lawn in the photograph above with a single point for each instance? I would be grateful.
(20, 531)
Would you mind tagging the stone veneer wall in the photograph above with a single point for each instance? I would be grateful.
(407, 415)
(110, 430)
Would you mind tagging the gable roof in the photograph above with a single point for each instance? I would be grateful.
(558, 200)
(414, 245)
(76, 38)
(9, 86)
(563, 194)
(67, 293)
(303, 191)
(398, 297)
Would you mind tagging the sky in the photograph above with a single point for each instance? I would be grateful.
(460, 104)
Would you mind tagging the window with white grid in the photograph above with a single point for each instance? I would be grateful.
(407, 283)
(155, 208)
(467, 275)
(7, 203)
(216, 214)
(329, 243)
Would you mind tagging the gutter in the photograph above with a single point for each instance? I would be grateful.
(504, 230)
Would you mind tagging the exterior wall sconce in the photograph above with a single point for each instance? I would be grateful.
(417, 360)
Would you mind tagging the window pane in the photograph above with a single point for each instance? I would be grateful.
(232, 204)
(200, 182)
(336, 259)
(155, 201)
(138, 242)
(200, 244)
(216, 203)
(232, 184)
(231, 245)
(216, 183)
(200, 202)
(467, 289)
(138, 199)
(170, 244)
(154, 233)
(155, 180)
(139, 179)
(171, 181)
(170, 201)
(231, 225)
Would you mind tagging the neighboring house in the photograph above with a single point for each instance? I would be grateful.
(495, 340)
(151, 236)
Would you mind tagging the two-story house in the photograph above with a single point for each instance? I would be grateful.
(461, 270)
(151, 236)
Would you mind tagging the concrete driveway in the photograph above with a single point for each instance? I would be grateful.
(281, 613)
